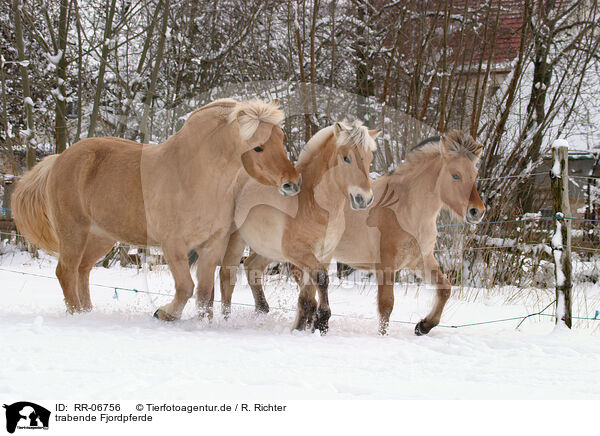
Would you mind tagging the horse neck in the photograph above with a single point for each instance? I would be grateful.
(190, 146)
(420, 184)
(319, 195)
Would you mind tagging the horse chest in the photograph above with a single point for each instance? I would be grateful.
(326, 245)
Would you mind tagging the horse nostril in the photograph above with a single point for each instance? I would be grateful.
(474, 212)
(289, 189)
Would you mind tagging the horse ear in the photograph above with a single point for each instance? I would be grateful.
(444, 144)
(375, 133)
(448, 143)
(337, 129)
(478, 150)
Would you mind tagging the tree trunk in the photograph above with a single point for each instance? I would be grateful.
(79, 76)
(131, 93)
(28, 134)
(145, 132)
(362, 67)
(103, 60)
(298, 37)
(61, 77)
(8, 145)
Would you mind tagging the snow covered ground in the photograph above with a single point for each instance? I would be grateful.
(120, 351)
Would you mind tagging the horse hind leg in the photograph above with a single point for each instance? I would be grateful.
(71, 249)
(255, 266)
(228, 271)
(96, 247)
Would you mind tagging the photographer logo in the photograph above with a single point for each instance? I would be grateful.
(26, 415)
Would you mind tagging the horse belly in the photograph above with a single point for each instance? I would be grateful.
(263, 231)
(359, 247)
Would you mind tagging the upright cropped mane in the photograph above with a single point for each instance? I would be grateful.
(248, 113)
(459, 142)
(455, 141)
(352, 134)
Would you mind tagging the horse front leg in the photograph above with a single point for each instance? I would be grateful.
(385, 297)
(307, 303)
(177, 260)
(323, 313)
(433, 274)
(319, 280)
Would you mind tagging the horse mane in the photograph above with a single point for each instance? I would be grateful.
(354, 134)
(248, 113)
(459, 142)
(455, 142)
(251, 113)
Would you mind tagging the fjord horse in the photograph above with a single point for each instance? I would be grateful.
(400, 230)
(177, 195)
(303, 230)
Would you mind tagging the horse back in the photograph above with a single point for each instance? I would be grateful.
(98, 181)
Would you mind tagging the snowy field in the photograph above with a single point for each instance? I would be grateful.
(120, 351)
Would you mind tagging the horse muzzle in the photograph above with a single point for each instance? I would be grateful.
(360, 199)
(474, 215)
(289, 189)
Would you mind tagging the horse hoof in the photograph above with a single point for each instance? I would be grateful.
(323, 330)
(262, 310)
(420, 328)
(300, 325)
(321, 321)
(163, 316)
(383, 330)
(205, 314)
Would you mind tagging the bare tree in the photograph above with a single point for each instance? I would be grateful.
(106, 45)
(27, 134)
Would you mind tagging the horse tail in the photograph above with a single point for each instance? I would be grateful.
(30, 206)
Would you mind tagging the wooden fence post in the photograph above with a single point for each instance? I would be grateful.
(561, 240)
(8, 189)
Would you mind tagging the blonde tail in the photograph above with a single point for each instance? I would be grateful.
(29, 206)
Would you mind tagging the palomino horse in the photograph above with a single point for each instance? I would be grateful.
(305, 229)
(177, 195)
(400, 230)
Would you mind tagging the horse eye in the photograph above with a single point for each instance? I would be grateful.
(258, 149)
(346, 159)
(455, 176)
